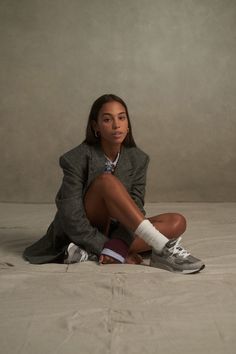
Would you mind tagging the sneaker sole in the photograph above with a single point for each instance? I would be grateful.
(170, 269)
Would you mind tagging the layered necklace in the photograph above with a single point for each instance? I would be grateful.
(111, 165)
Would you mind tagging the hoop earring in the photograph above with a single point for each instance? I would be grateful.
(96, 134)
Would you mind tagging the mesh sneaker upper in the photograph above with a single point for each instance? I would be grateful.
(175, 258)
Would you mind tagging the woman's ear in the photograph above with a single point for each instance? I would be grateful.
(94, 125)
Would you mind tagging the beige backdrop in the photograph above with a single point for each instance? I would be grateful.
(174, 63)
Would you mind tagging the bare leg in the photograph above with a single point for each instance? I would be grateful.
(107, 197)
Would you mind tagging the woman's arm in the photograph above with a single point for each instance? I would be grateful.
(69, 201)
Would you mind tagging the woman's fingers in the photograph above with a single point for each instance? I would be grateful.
(107, 260)
(133, 258)
(101, 258)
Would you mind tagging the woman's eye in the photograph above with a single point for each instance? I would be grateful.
(106, 120)
(122, 117)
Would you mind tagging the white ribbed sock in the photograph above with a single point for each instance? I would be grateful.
(151, 235)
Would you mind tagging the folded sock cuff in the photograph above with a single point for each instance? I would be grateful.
(116, 249)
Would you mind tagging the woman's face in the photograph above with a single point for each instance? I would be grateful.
(112, 123)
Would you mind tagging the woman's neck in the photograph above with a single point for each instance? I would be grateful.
(111, 151)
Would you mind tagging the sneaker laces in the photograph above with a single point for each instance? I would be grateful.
(178, 250)
(84, 255)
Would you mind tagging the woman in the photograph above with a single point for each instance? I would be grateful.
(100, 202)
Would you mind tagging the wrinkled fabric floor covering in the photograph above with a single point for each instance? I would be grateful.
(86, 308)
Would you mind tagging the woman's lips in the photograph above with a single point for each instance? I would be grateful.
(117, 134)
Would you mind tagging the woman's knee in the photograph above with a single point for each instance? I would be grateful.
(179, 224)
(106, 181)
(172, 225)
(104, 178)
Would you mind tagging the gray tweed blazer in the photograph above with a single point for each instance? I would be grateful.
(81, 166)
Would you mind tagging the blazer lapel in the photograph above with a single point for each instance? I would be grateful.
(96, 163)
(123, 169)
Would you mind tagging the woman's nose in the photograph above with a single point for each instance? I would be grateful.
(115, 123)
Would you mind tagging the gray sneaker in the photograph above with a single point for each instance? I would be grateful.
(176, 259)
(75, 254)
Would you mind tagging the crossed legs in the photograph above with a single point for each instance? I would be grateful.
(107, 198)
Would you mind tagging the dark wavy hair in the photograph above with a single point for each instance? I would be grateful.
(91, 139)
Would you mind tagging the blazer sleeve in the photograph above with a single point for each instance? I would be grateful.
(69, 201)
(138, 186)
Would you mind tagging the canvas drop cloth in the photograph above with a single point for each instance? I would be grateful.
(119, 309)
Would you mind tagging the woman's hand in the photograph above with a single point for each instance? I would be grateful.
(132, 258)
(107, 260)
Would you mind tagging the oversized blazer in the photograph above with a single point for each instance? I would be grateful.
(81, 166)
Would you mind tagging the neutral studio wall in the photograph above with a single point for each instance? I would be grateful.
(173, 62)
